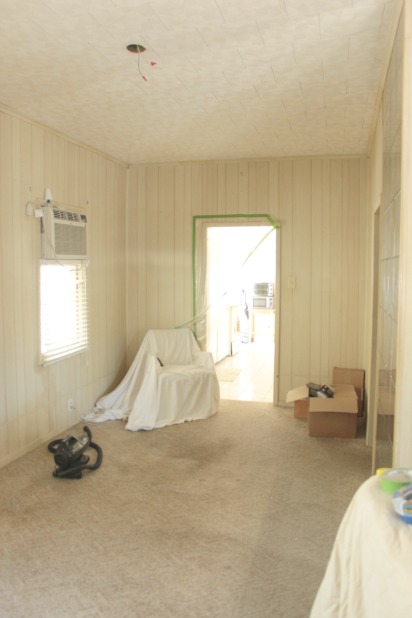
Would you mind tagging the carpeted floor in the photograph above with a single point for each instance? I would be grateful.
(231, 517)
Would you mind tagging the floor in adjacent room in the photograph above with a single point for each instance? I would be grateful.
(248, 375)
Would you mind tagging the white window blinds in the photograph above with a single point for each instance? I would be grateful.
(63, 309)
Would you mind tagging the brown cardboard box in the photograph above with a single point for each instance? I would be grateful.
(301, 409)
(300, 397)
(356, 377)
(337, 417)
(330, 417)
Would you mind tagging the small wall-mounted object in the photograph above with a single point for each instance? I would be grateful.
(291, 282)
(34, 209)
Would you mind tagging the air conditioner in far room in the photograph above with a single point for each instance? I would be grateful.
(63, 234)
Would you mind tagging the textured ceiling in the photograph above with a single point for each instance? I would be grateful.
(233, 78)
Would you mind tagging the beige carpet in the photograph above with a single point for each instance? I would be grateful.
(232, 517)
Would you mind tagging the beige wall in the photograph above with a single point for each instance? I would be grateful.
(373, 277)
(326, 243)
(402, 455)
(321, 205)
(389, 252)
(33, 399)
(391, 190)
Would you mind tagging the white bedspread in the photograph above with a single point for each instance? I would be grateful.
(369, 574)
(170, 381)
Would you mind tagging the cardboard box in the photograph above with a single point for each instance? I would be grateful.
(301, 408)
(300, 397)
(334, 417)
(356, 377)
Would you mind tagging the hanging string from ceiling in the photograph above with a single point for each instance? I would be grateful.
(136, 48)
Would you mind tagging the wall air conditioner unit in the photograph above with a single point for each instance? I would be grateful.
(63, 235)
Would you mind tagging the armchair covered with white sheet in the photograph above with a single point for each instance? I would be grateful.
(170, 381)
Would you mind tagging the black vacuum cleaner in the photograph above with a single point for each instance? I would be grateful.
(69, 455)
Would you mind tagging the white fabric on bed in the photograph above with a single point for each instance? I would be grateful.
(150, 396)
(370, 569)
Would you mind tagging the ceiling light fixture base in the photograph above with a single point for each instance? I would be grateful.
(135, 48)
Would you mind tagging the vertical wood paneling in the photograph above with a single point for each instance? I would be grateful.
(33, 398)
(346, 249)
(98, 268)
(72, 172)
(286, 266)
(135, 239)
(44, 396)
(152, 283)
(188, 213)
(394, 349)
(180, 244)
(221, 188)
(18, 274)
(302, 245)
(139, 256)
(364, 240)
(3, 249)
(252, 205)
(246, 187)
(325, 266)
(312, 200)
(232, 188)
(197, 189)
(29, 259)
(262, 188)
(115, 265)
(316, 202)
(316, 273)
(336, 263)
(9, 281)
(209, 188)
(38, 148)
(273, 206)
(166, 246)
(350, 285)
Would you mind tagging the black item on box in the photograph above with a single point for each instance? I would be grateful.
(319, 390)
(325, 391)
(313, 389)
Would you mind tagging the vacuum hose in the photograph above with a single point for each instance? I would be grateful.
(69, 455)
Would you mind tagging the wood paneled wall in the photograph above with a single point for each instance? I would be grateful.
(390, 252)
(321, 207)
(33, 399)
(140, 273)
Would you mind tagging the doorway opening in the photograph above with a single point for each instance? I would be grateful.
(236, 300)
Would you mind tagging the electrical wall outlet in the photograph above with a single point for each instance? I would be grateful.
(71, 408)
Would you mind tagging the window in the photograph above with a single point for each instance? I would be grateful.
(63, 309)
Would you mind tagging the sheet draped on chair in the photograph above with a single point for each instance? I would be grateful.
(170, 381)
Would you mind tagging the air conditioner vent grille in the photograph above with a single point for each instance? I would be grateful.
(65, 215)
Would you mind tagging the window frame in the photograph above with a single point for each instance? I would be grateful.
(53, 346)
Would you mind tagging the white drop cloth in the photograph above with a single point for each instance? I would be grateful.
(150, 396)
(370, 570)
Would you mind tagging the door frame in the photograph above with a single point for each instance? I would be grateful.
(372, 426)
(238, 220)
